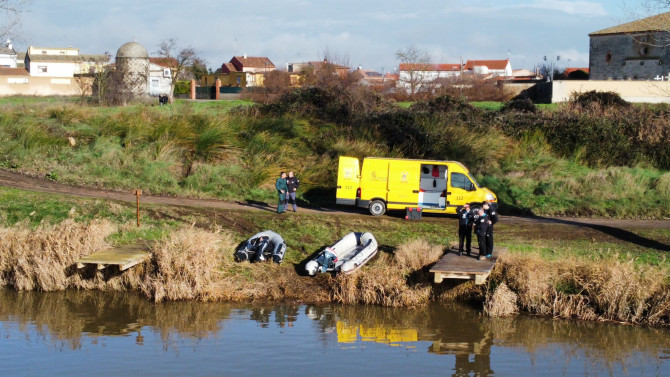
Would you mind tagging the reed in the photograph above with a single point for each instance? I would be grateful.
(604, 290)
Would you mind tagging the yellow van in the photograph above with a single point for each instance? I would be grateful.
(393, 183)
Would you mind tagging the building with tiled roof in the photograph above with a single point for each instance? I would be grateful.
(61, 62)
(489, 68)
(637, 50)
(8, 55)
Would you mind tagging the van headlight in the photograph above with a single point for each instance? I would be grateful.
(490, 197)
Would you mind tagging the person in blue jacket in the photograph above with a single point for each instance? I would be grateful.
(282, 189)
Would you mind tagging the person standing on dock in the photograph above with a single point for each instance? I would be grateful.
(481, 230)
(292, 183)
(282, 189)
(492, 214)
(465, 220)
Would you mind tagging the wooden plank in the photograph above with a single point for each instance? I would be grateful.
(122, 256)
(453, 266)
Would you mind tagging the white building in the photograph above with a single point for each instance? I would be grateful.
(415, 77)
(160, 77)
(7, 56)
(489, 68)
(60, 62)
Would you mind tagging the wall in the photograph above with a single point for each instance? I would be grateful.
(42, 86)
(65, 69)
(624, 56)
(631, 91)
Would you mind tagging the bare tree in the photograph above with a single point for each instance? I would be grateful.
(12, 10)
(413, 66)
(178, 59)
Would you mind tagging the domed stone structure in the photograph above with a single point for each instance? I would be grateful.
(132, 50)
(132, 70)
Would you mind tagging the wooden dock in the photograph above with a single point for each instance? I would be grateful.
(453, 266)
(123, 256)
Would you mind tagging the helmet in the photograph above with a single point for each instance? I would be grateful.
(312, 267)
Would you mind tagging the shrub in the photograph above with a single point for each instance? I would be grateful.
(522, 105)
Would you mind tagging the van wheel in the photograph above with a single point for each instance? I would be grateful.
(474, 208)
(377, 208)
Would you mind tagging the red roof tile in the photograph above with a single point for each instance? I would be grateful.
(490, 64)
(164, 62)
(570, 70)
(254, 61)
(13, 72)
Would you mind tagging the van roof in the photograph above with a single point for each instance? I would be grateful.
(419, 160)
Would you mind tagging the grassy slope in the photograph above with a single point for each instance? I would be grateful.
(203, 149)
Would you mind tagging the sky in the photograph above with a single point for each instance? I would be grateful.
(356, 33)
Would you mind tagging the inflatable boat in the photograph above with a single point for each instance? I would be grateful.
(261, 246)
(346, 256)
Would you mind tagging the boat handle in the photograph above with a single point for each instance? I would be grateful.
(415, 191)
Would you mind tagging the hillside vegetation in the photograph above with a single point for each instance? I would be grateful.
(590, 157)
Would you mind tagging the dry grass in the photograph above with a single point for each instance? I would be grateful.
(42, 258)
(501, 303)
(184, 266)
(391, 281)
(604, 290)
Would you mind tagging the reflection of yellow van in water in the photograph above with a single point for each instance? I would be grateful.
(391, 183)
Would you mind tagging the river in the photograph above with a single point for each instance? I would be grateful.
(121, 334)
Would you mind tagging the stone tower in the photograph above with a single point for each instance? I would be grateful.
(132, 71)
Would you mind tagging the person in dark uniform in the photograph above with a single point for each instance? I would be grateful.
(465, 220)
(481, 230)
(281, 187)
(492, 214)
(292, 183)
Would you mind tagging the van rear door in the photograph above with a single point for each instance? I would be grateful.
(348, 180)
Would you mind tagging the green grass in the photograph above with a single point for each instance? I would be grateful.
(306, 234)
(203, 149)
(488, 105)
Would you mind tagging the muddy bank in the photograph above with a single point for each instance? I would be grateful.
(197, 264)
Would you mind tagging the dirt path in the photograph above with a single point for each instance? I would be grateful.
(24, 182)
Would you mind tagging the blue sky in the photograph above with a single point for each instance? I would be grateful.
(359, 33)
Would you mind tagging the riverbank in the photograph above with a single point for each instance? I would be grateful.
(559, 270)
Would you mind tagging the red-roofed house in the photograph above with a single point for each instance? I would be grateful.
(253, 66)
(489, 68)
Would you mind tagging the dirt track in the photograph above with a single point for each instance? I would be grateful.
(20, 181)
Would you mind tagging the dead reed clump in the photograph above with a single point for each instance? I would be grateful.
(416, 254)
(501, 303)
(39, 259)
(602, 290)
(184, 265)
(391, 281)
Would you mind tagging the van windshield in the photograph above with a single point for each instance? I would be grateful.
(473, 180)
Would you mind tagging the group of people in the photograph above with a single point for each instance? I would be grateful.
(287, 186)
(482, 220)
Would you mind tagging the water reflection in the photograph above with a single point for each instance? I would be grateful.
(444, 333)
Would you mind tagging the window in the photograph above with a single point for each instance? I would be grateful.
(154, 83)
(461, 181)
(166, 72)
(42, 68)
(608, 57)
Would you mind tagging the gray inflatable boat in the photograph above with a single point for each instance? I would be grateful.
(262, 246)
